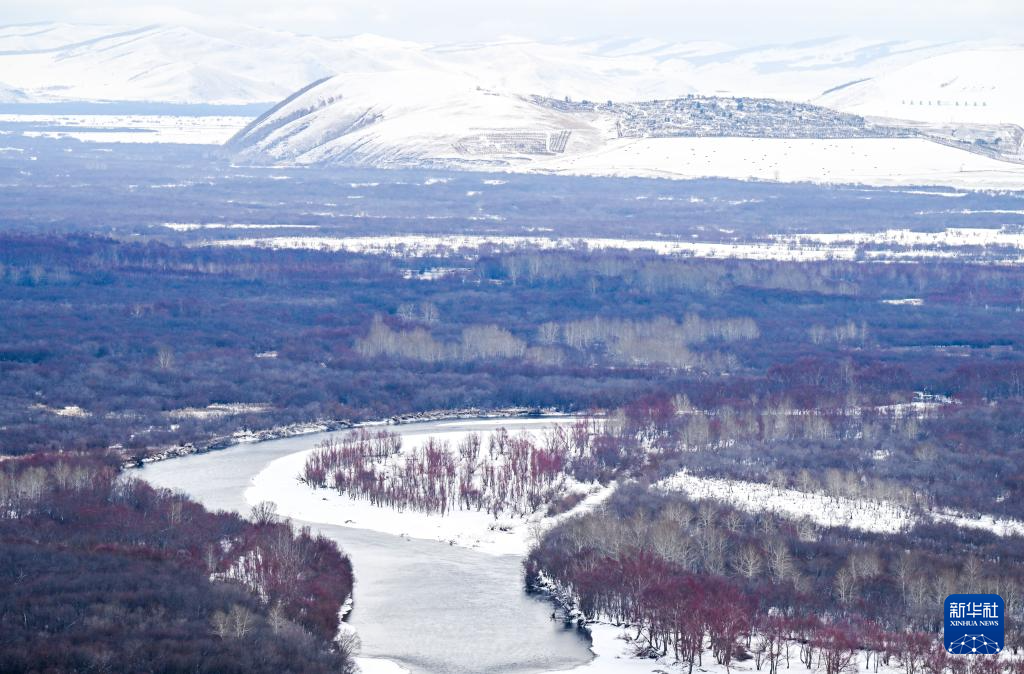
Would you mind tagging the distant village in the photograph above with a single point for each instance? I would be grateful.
(726, 116)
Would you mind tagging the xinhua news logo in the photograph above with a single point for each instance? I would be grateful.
(974, 624)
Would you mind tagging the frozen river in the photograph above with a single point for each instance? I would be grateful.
(427, 606)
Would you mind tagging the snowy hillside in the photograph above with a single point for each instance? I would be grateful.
(972, 85)
(182, 64)
(401, 119)
(231, 64)
(9, 94)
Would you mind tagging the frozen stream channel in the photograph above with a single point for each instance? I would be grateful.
(425, 606)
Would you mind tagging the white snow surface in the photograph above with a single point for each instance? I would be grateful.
(865, 161)
(204, 130)
(379, 666)
(391, 102)
(211, 62)
(966, 85)
(278, 482)
(192, 226)
(407, 118)
(824, 510)
(901, 244)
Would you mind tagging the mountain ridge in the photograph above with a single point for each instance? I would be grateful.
(222, 64)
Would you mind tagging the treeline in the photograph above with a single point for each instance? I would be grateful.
(930, 453)
(692, 577)
(99, 572)
(129, 343)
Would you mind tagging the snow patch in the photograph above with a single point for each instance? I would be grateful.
(827, 511)
(1005, 246)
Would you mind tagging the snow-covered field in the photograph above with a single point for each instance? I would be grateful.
(200, 130)
(953, 237)
(216, 410)
(192, 226)
(866, 161)
(904, 245)
(422, 245)
(279, 482)
(826, 511)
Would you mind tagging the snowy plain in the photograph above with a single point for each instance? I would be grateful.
(197, 130)
(824, 510)
(1006, 244)
(864, 161)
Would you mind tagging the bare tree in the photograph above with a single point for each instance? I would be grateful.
(264, 513)
(749, 562)
(165, 358)
(234, 624)
(780, 561)
(845, 585)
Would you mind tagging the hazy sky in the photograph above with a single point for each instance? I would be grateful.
(735, 21)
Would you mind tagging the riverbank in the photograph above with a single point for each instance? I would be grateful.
(329, 426)
(279, 482)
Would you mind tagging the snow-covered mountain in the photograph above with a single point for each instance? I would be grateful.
(591, 106)
(183, 64)
(230, 64)
(402, 119)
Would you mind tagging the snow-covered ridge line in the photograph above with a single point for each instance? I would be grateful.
(216, 62)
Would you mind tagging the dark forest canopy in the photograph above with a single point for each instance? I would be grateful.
(99, 572)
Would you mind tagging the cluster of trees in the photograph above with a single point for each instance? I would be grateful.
(513, 474)
(102, 572)
(693, 577)
(476, 343)
(657, 342)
